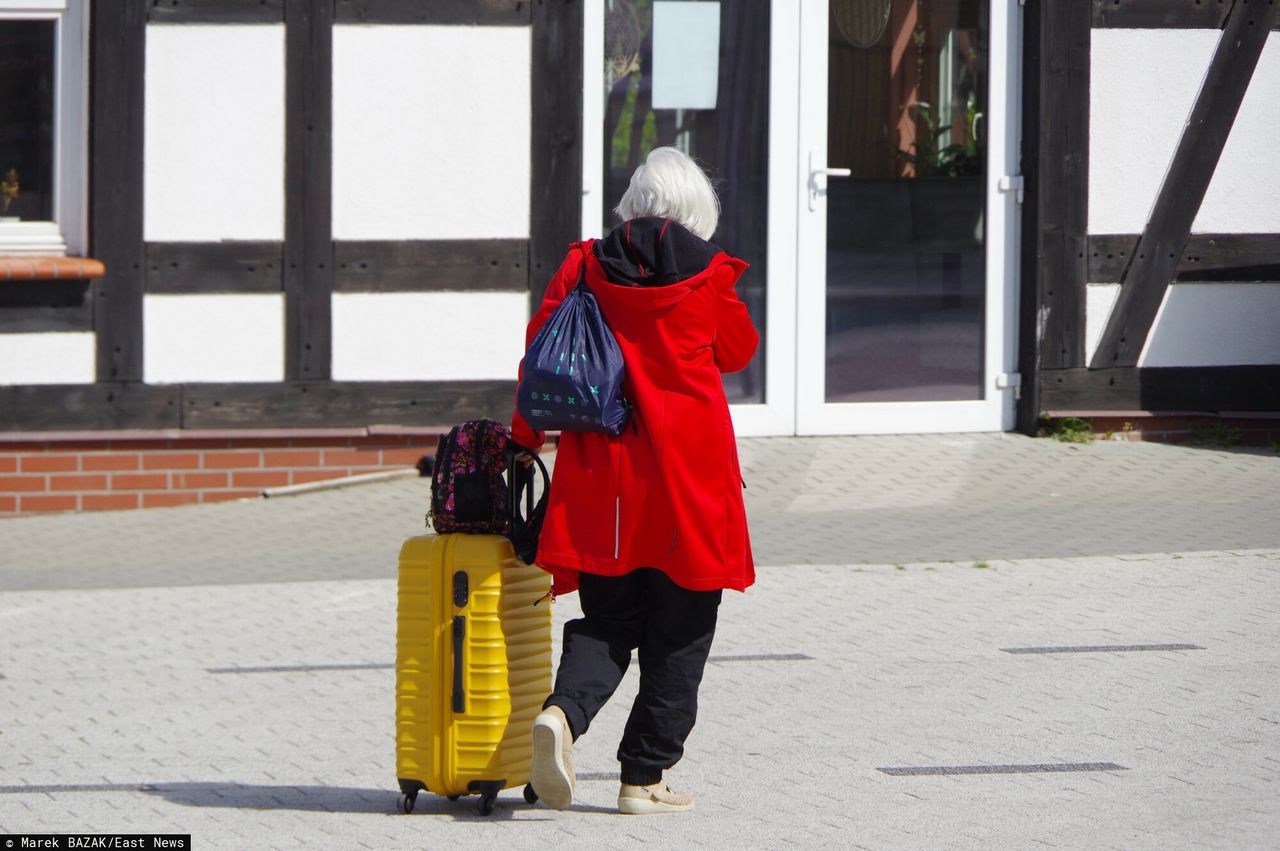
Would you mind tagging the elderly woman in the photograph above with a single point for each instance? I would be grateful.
(647, 526)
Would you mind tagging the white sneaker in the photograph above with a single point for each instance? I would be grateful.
(646, 800)
(551, 770)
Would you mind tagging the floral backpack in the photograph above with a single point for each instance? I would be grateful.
(468, 493)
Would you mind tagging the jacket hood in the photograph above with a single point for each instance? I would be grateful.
(652, 252)
(653, 263)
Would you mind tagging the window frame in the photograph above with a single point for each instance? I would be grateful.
(67, 233)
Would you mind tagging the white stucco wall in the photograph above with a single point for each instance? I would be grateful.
(47, 358)
(428, 336)
(1215, 325)
(1142, 87)
(431, 132)
(214, 162)
(213, 338)
(1199, 324)
(1098, 302)
(1244, 196)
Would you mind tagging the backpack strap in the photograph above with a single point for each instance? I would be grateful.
(439, 464)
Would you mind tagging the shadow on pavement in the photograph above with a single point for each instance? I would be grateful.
(330, 799)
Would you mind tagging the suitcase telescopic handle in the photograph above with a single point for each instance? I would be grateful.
(459, 636)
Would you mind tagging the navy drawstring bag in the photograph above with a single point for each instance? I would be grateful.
(572, 373)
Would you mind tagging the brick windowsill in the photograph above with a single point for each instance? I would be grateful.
(19, 268)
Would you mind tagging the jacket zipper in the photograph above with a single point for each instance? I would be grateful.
(617, 505)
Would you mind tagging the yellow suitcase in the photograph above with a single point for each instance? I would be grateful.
(473, 666)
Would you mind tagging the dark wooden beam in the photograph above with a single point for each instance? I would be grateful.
(32, 320)
(1206, 258)
(427, 265)
(1159, 14)
(118, 53)
(1230, 258)
(133, 405)
(1091, 389)
(1109, 255)
(555, 195)
(1029, 342)
(308, 249)
(46, 306)
(1158, 252)
(336, 404)
(214, 267)
(457, 12)
(104, 405)
(1062, 181)
(1200, 388)
(215, 11)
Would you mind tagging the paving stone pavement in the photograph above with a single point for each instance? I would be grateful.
(856, 500)
(895, 575)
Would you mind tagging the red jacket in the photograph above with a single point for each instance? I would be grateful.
(668, 493)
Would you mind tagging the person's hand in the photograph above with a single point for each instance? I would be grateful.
(525, 457)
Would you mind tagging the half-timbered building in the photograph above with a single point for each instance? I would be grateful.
(248, 244)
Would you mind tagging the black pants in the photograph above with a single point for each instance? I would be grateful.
(672, 627)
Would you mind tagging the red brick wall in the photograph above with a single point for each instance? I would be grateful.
(120, 472)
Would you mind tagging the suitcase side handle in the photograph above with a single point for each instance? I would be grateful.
(459, 635)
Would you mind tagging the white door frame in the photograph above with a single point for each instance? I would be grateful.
(777, 415)
(995, 411)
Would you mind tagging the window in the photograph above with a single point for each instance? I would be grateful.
(43, 124)
(695, 75)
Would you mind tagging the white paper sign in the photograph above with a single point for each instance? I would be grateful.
(686, 54)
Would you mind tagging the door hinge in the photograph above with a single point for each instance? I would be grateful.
(1015, 184)
(1010, 381)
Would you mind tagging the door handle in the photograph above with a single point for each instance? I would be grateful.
(818, 175)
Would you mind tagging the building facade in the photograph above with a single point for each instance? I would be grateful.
(253, 244)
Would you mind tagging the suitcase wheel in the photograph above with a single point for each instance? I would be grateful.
(530, 796)
(485, 807)
(454, 797)
(407, 800)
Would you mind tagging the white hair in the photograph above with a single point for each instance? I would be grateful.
(671, 186)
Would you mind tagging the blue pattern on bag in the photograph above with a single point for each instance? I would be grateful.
(573, 371)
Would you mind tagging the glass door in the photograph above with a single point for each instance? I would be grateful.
(906, 230)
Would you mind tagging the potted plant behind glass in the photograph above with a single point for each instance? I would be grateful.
(947, 198)
(9, 190)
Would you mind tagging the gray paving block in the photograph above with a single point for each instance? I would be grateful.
(894, 573)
